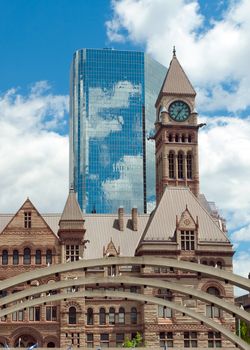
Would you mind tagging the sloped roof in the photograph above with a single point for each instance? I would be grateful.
(72, 216)
(72, 210)
(173, 202)
(100, 228)
(176, 81)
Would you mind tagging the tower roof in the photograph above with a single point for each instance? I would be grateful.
(176, 81)
(72, 212)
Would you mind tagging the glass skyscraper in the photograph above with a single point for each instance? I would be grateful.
(112, 111)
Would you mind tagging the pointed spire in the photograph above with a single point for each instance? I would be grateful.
(176, 81)
(72, 214)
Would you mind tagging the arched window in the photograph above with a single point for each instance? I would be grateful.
(48, 256)
(177, 138)
(170, 138)
(51, 345)
(204, 262)
(189, 165)
(90, 316)
(112, 315)
(180, 165)
(38, 257)
(72, 315)
(163, 311)
(15, 257)
(171, 165)
(5, 257)
(133, 315)
(189, 138)
(26, 256)
(219, 265)
(121, 315)
(211, 310)
(102, 316)
(182, 138)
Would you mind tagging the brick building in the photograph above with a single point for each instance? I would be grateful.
(184, 226)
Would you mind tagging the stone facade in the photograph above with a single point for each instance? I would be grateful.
(182, 227)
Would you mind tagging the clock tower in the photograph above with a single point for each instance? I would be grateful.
(176, 132)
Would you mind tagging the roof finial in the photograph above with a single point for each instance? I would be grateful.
(174, 52)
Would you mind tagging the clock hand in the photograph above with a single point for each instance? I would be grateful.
(178, 112)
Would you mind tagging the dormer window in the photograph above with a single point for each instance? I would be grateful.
(27, 219)
(187, 240)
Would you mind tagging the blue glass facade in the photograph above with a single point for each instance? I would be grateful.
(111, 112)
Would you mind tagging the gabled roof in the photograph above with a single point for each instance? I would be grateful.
(72, 216)
(173, 202)
(176, 81)
(12, 221)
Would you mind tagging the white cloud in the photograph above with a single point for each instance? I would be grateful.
(215, 55)
(242, 235)
(34, 156)
(242, 268)
(212, 55)
(225, 166)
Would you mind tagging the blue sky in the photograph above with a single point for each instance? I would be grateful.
(39, 37)
(37, 41)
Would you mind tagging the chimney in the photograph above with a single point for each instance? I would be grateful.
(121, 218)
(134, 214)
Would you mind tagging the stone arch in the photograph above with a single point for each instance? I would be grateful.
(226, 276)
(71, 303)
(27, 335)
(215, 284)
(51, 339)
(138, 297)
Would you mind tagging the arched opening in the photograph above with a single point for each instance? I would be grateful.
(48, 256)
(212, 310)
(121, 315)
(112, 315)
(15, 257)
(182, 138)
(26, 256)
(171, 165)
(133, 315)
(25, 341)
(170, 138)
(189, 138)
(163, 311)
(189, 165)
(219, 264)
(38, 258)
(51, 344)
(72, 315)
(102, 316)
(5, 257)
(180, 165)
(90, 316)
(177, 138)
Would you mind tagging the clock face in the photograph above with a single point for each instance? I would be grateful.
(179, 111)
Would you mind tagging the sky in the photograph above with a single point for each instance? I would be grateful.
(37, 42)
